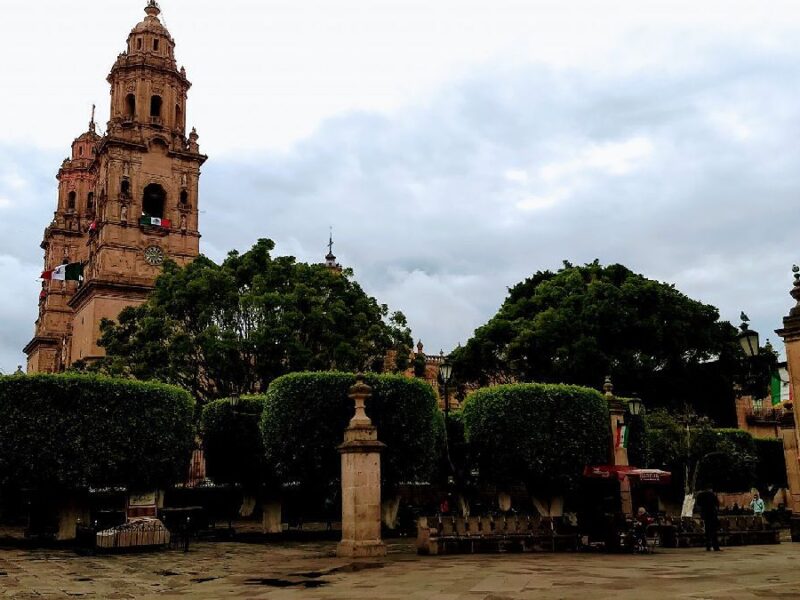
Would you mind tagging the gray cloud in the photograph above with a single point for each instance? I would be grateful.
(689, 175)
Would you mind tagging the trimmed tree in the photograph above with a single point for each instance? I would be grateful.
(62, 434)
(232, 442)
(539, 435)
(305, 415)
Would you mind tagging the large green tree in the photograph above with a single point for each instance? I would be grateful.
(230, 329)
(581, 323)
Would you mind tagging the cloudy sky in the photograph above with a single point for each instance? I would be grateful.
(455, 146)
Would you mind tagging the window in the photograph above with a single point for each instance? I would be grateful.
(184, 196)
(125, 188)
(155, 106)
(153, 201)
(90, 201)
(80, 150)
(130, 106)
(139, 43)
(178, 115)
(71, 201)
(155, 45)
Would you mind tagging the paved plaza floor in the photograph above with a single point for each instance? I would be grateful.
(311, 571)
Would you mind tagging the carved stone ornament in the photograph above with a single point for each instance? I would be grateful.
(131, 87)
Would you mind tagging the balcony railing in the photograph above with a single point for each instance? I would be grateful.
(764, 414)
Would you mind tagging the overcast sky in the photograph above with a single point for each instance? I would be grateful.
(454, 146)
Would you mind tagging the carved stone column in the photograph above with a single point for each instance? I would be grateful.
(361, 482)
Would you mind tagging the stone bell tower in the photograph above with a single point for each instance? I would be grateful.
(144, 190)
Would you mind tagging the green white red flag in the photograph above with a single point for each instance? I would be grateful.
(69, 272)
(622, 436)
(155, 222)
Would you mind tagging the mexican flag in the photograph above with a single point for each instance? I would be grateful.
(775, 388)
(155, 222)
(622, 436)
(70, 272)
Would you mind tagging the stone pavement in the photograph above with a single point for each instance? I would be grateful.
(310, 571)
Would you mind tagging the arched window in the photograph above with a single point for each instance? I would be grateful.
(155, 45)
(125, 188)
(138, 43)
(178, 116)
(130, 106)
(153, 201)
(184, 196)
(71, 201)
(155, 106)
(90, 201)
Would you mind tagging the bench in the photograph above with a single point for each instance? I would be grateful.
(733, 531)
(448, 535)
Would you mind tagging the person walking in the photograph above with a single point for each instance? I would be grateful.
(757, 505)
(708, 503)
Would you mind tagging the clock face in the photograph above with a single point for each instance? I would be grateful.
(154, 255)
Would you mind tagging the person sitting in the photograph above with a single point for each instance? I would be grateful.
(640, 523)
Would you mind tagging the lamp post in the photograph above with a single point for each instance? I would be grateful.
(445, 370)
(748, 338)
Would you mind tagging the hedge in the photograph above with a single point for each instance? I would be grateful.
(541, 435)
(232, 442)
(305, 415)
(76, 431)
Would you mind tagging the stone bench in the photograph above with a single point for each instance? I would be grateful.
(448, 535)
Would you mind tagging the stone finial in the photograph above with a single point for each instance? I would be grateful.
(608, 388)
(152, 9)
(420, 347)
(795, 293)
(359, 393)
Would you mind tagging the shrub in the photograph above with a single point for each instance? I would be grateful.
(542, 435)
(232, 440)
(305, 415)
(73, 431)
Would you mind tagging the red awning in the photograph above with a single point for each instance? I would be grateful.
(651, 475)
(623, 471)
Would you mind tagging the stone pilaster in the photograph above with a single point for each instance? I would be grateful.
(789, 430)
(792, 457)
(618, 454)
(361, 482)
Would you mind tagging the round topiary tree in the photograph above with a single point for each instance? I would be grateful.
(67, 433)
(232, 442)
(539, 435)
(305, 415)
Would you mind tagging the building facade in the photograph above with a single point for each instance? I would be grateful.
(127, 200)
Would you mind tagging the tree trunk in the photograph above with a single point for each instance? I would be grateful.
(549, 506)
(271, 516)
(70, 509)
(389, 509)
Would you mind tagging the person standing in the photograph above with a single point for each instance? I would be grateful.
(757, 505)
(708, 504)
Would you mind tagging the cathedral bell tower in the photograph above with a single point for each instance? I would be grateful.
(142, 186)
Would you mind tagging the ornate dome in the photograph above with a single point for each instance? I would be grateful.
(151, 23)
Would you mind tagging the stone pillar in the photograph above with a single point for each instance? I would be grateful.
(361, 482)
(792, 457)
(789, 430)
(619, 455)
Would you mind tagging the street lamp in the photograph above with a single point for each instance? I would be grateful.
(635, 406)
(445, 370)
(748, 338)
